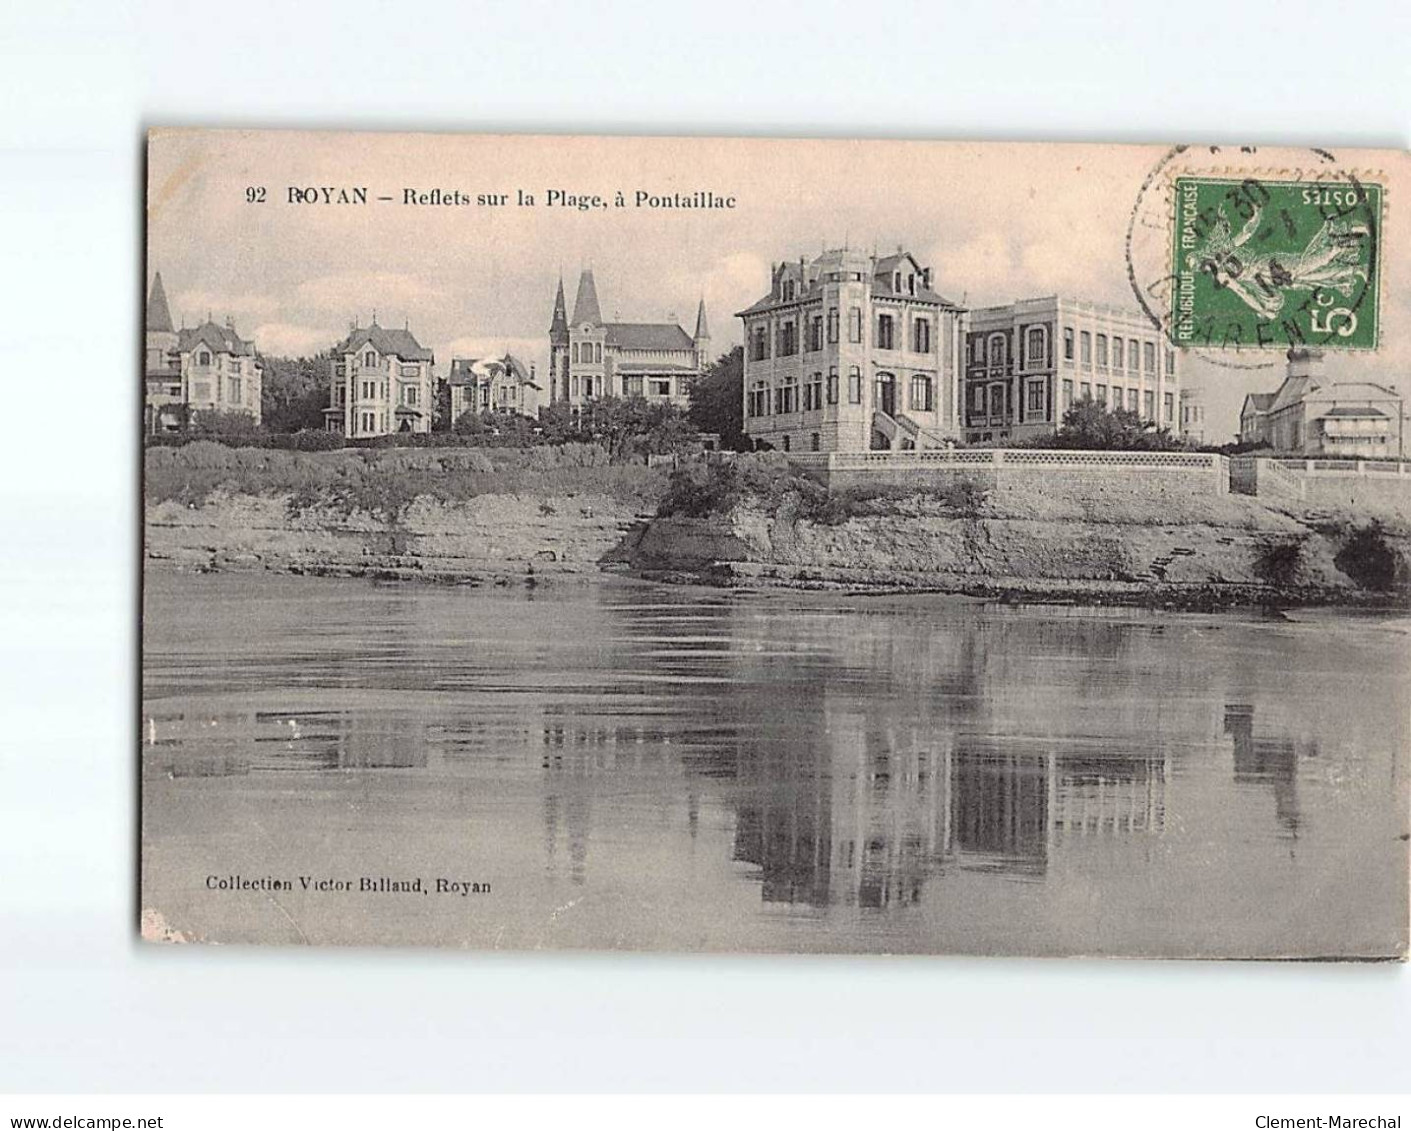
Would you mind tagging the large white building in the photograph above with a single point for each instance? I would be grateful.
(1028, 362)
(850, 352)
(380, 382)
(1310, 414)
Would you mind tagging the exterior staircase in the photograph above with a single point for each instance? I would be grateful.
(901, 431)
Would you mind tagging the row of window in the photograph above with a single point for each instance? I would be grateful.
(815, 391)
(588, 386)
(1115, 398)
(587, 353)
(378, 390)
(821, 330)
(370, 360)
(203, 359)
(991, 350)
(995, 401)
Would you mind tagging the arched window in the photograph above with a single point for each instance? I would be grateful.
(598, 352)
(369, 359)
(996, 350)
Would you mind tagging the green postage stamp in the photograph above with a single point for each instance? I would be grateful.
(1273, 264)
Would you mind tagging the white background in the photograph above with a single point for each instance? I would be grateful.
(84, 1007)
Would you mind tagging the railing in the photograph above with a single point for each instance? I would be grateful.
(1014, 457)
(1392, 467)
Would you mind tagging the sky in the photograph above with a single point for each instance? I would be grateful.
(995, 221)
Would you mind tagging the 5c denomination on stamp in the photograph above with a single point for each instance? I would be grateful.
(1273, 264)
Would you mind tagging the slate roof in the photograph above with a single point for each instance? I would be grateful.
(648, 336)
(471, 370)
(398, 343)
(585, 306)
(1260, 402)
(1354, 410)
(218, 339)
(158, 313)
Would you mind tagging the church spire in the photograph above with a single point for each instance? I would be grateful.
(558, 326)
(702, 330)
(585, 306)
(158, 313)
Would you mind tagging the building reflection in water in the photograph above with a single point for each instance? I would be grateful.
(882, 809)
(1271, 761)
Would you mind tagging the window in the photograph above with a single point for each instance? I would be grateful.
(235, 389)
(1168, 407)
(1035, 348)
(788, 339)
(1068, 343)
(1102, 395)
(815, 333)
(369, 422)
(1149, 356)
(814, 442)
(410, 393)
(369, 360)
(896, 282)
(1132, 400)
(1102, 351)
(977, 350)
(236, 367)
(1067, 394)
(369, 391)
(813, 393)
(485, 396)
(1086, 341)
(833, 324)
(921, 335)
(203, 358)
(1170, 363)
(759, 400)
(575, 385)
(854, 385)
(1036, 399)
(996, 351)
(1132, 354)
(788, 290)
(759, 342)
(1086, 391)
(786, 442)
(660, 388)
(921, 398)
(884, 332)
(598, 352)
(855, 324)
(1149, 405)
(833, 385)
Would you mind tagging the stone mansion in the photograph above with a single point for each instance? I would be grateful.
(379, 382)
(207, 368)
(590, 358)
(851, 352)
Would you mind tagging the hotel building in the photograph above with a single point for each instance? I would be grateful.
(1028, 362)
(850, 352)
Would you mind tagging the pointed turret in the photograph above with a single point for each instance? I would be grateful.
(585, 306)
(558, 327)
(702, 339)
(158, 313)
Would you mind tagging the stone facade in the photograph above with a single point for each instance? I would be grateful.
(1028, 362)
(380, 381)
(852, 352)
(210, 368)
(590, 358)
(493, 384)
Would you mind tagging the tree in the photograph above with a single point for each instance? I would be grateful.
(1089, 425)
(294, 392)
(717, 400)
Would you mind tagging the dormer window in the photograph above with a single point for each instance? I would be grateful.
(896, 282)
(788, 290)
(911, 284)
(369, 359)
(203, 358)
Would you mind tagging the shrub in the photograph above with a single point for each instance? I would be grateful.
(1279, 562)
(1367, 558)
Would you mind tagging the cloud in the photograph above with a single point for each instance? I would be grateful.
(193, 306)
(283, 339)
(392, 294)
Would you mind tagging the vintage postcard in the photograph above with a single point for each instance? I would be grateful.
(703, 544)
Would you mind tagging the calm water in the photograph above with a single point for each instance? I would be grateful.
(628, 765)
